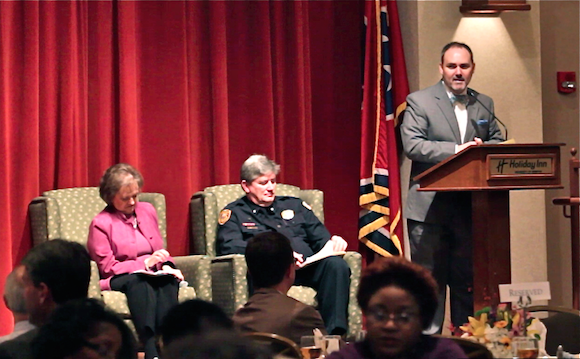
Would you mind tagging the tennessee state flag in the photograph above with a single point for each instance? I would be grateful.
(385, 88)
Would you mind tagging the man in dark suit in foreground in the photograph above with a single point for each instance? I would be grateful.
(439, 122)
(55, 272)
(271, 265)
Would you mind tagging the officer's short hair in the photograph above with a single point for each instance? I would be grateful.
(268, 256)
(256, 166)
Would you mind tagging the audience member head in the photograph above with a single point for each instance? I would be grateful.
(398, 299)
(214, 345)
(120, 186)
(56, 271)
(84, 329)
(193, 317)
(270, 260)
(14, 294)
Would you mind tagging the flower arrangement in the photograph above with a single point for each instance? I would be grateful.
(495, 328)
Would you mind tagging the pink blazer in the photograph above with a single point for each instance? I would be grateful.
(111, 241)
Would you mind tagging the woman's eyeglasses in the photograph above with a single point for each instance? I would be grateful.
(399, 318)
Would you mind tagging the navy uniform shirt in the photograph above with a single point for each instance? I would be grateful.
(242, 219)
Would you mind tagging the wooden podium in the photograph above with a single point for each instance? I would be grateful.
(490, 172)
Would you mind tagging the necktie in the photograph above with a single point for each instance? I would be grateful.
(459, 98)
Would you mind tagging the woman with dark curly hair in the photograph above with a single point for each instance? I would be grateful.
(83, 328)
(398, 299)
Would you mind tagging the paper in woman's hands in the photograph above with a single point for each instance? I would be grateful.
(182, 283)
(151, 273)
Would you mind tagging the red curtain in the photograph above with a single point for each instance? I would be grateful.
(184, 91)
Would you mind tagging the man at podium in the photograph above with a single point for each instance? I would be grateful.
(440, 121)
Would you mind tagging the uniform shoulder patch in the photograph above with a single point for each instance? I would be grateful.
(224, 216)
(306, 205)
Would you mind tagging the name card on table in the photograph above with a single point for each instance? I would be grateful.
(524, 291)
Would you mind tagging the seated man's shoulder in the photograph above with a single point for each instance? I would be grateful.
(19, 347)
(288, 199)
(292, 202)
(270, 299)
(237, 203)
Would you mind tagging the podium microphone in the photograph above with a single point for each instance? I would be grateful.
(473, 93)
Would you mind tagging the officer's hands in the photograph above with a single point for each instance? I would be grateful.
(338, 244)
(299, 259)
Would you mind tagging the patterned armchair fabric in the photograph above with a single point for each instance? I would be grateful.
(67, 214)
(229, 284)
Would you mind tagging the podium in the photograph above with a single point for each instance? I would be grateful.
(489, 172)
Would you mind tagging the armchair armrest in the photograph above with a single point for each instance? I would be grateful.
(197, 272)
(39, 222)
(94, 286)
(354, 261)
(229, 282)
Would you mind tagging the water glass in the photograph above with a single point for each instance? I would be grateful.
(309, 348)
(525, 347)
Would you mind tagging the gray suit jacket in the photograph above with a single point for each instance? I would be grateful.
(429, 133)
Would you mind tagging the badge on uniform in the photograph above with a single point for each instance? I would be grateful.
(287, 214)
(224, 216)
(250, 225)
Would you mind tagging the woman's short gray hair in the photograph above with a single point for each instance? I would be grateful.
(116, 177)
(256, 166)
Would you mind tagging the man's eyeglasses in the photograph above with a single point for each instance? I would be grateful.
(399, 318)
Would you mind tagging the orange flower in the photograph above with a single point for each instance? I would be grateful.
(500, 324)
(507, 341)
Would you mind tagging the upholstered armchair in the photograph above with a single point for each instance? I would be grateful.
(67, 214)
(229, 283)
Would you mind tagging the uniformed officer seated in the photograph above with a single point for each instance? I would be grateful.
(260, 211)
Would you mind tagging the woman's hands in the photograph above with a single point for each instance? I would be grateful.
(173, 271)
(159, 256)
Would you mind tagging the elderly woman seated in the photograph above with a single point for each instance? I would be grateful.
(398, 299)
(123, 239)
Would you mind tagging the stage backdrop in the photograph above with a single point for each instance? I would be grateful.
(184, 91)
